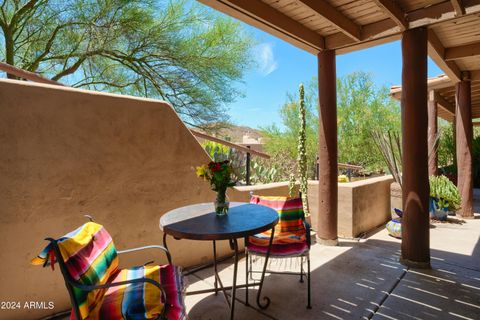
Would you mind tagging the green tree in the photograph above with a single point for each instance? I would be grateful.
(178, 51)
(361, 108)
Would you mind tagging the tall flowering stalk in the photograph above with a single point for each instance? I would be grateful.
(302, 152)
(291, 184)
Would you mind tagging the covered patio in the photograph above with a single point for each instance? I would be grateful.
(446, 31)
(363, 279)
(129, 160)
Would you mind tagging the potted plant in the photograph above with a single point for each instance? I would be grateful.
(220, 176)
(444, 197)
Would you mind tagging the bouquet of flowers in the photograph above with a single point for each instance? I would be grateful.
(220, 176)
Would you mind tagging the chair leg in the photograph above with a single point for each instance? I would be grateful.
(301, 269)
(250, 270)
(309, 303)
(246, 277)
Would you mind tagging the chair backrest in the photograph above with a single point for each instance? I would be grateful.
(290, 214)
(87, 256)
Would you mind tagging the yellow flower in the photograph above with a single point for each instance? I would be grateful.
(342, 178)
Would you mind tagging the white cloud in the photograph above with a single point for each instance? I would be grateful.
(265, 58)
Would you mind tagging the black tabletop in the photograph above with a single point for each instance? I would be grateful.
(199, 221)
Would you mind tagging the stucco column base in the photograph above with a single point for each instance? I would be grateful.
(327, 242)
(415, 264)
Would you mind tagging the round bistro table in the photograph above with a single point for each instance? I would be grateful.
(200, 222)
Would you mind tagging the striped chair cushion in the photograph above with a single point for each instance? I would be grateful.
(91, 259)
(141, 301)
(290, 234)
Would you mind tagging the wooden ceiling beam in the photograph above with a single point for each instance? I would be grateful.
(387, 28)
(458, 7)
(475, 75)
(370, 31)
(465, 51)
(393, 10)
(441, 10)
(335, 17)
(447, 106)
(261, 15)
(436, 51)
(265, 17)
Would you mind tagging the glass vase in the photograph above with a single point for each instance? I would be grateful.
(222, 203)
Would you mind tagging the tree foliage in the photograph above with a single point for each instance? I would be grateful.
(446, 145)
(178, 51)
(361, 108)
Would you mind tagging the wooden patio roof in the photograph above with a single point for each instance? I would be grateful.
(349, 25)
(442, 89)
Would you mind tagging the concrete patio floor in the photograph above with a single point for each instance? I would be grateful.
(362, 279)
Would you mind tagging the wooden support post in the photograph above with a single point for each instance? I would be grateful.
(454, 134)
(247, 169)
(464, 133)
(432, 135)
(415, 188)
(327, 163)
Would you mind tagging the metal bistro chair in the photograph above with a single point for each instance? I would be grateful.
(291, 239)
(98, 289)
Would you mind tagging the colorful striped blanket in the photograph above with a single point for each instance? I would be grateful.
(91, 259)
(290, 232)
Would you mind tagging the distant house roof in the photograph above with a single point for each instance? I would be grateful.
(442, 89)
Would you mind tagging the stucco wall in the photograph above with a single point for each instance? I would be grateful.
(242, 193)
(66, 152)
(371, 200)
(362, 205)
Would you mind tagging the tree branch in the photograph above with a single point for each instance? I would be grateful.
(74, 67)
(34, 65)
(107, 83)
(19, 13)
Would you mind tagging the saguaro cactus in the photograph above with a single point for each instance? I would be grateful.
(302, 151)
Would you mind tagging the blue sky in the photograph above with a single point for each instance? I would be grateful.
(282, 67)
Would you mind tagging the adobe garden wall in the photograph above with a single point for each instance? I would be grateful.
(67, 152)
